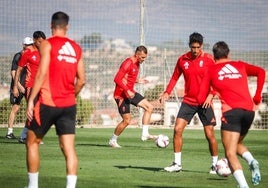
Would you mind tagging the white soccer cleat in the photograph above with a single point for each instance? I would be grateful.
(255, 172)
(114, 144)
(174, 167)
(148, 137)
(213, 169)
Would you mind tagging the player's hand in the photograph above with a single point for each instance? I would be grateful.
(30, 110)
(257, 99)
(15, 91)
(142, 81)
(208, 101)
(163, 97)
(130, 94)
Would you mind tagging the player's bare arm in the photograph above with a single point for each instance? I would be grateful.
(163, 97)
(80, 77)
(16, 81)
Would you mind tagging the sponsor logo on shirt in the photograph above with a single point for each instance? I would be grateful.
(67, 53)
(228, 71)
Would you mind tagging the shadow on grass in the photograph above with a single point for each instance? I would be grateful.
(162, 170)
(5, 140)
(144, 186)
(141, 167)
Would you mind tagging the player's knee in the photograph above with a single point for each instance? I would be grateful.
(150, 108)
(178, 131)
(126, 121)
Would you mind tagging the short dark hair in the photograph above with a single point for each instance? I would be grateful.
(195, 37)
(141, 49)
(39, 34)
(220, 50)
(59, 19)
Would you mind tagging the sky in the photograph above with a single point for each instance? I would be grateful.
(243, 24)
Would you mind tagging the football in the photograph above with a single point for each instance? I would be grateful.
(223, 168)
(162, 141)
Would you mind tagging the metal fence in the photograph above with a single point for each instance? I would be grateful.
(109, 31)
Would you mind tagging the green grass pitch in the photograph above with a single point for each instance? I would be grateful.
(137, 164)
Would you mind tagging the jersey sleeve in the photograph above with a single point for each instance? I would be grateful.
(119, 77)
(15, 61)
(259, 72)
(23, 59)
(174, 78)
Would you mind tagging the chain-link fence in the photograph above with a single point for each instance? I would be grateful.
(110, 30)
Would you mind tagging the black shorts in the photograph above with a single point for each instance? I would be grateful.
(206, 115)
(16, 100)
(124, 104)
(237, 120)
(46, 116)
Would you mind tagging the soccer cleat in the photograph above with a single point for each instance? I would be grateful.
(22, 140)
(114, 144)
(11, 136)
(213, 169)
(255, 172)
(148, 137)
(174, 167)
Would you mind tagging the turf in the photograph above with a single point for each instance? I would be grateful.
(136, 164)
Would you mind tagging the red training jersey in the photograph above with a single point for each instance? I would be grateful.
(193, 71)
(230, 81)
(58, 87)
(125, 78)
(31, 60)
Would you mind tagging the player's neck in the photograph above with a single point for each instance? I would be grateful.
(222, 60)
(59, 32)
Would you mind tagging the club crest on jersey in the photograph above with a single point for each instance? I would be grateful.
(228, 71)
(201, 63)
(186, 65)
(67, 53)
(34, 58)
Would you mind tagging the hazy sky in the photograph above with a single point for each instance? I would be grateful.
(241, 23)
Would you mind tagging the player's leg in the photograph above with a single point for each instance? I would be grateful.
(243, 151)
(11, 118)
(231, 129)
(207, 118)
(230, 140)
(119, 129)
(179, 127)
(124, 110)
(65, 128)
(67, 146)
(184, 116)
(213, 146)
(33, 159)
(146, 119)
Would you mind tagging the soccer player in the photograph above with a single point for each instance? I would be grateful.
(229, 79)
(30, 59)
(192, 65)
(59, 79)
(15, 101)
(124, 95)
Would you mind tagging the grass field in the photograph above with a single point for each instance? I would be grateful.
(136, 164)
